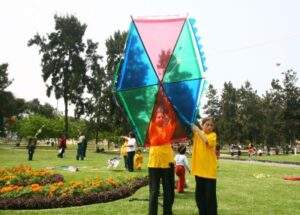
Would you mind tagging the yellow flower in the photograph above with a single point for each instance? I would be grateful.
(64, 195)
(52, 189)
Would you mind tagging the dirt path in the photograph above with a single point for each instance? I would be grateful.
(264, 162)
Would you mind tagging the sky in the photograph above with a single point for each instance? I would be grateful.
(243, 40)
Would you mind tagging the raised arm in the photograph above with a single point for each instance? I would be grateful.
(199, 132)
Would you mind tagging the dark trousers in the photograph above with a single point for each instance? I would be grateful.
(30, 155)
(130, 162)
(61, 154)
(84, 150)
(79, 153)
(167, 177)
(125, 162)
(206, 196)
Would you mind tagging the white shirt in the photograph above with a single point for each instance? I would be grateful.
(181, 160)
(130, 147)
(81, 138)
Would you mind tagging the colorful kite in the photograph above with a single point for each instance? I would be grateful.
(162, 68)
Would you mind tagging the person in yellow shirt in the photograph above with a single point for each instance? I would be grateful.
(138, 159)
(124, 153)
(161, 159)
(204, 166)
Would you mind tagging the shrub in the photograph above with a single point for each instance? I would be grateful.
(24, 188)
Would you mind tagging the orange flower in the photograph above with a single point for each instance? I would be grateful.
(76, 184)
(36, 189)
(10, 188)
(60, 184)
(34, 185)
(112, 182)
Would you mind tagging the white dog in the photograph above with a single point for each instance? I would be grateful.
(113, 163)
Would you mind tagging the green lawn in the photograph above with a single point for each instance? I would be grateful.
(239, 192)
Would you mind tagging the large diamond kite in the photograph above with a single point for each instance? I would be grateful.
(163, 66)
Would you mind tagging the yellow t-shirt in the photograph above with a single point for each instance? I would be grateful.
(123, 149)
(138, 161)
(204, 159)
(160, 156)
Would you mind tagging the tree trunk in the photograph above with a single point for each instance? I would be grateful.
(66, 127)
(96, 144)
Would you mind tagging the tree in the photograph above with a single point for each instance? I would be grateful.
(9, 105)
(212, 107)
(63, 66)
(250, 114)
(35, 107)
(52, 128)
(228, 122)
(272, 126)
(291, 106)
(95, 108)
(116, 119)
(282, 111)
(4, 81)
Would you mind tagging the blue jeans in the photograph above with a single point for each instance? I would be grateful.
(79, 153)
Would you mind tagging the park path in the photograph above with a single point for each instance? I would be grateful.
(264, 162)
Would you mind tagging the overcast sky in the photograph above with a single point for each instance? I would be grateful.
(242, 39)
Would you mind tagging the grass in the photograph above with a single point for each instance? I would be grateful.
(239, 192)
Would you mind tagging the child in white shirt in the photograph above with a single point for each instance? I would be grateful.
(182, 163)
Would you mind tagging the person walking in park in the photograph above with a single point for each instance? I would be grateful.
(80, 143)
(62, 146)
(161, 160)
(182, 163)
(204, 166)
(251, 151)
(130, 149)
(31, 148)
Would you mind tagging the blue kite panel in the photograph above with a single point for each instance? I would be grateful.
(137, 70)
(184, 96)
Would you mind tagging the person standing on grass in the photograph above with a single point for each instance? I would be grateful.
(204, 166)
(85, 143)
(182, 163)
(251, 150)
(124, 154)
(130, 149)
(161, 160)
(80, 143)
(62, 146)
(138, 159)
(31, 148)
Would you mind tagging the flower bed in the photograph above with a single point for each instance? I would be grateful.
(45, 189)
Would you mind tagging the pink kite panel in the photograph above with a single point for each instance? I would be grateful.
(159, 37)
